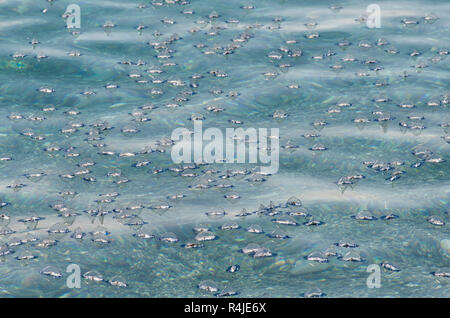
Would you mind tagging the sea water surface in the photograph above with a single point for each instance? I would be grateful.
(374, 99)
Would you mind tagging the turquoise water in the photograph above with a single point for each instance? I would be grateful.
(348, 72)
